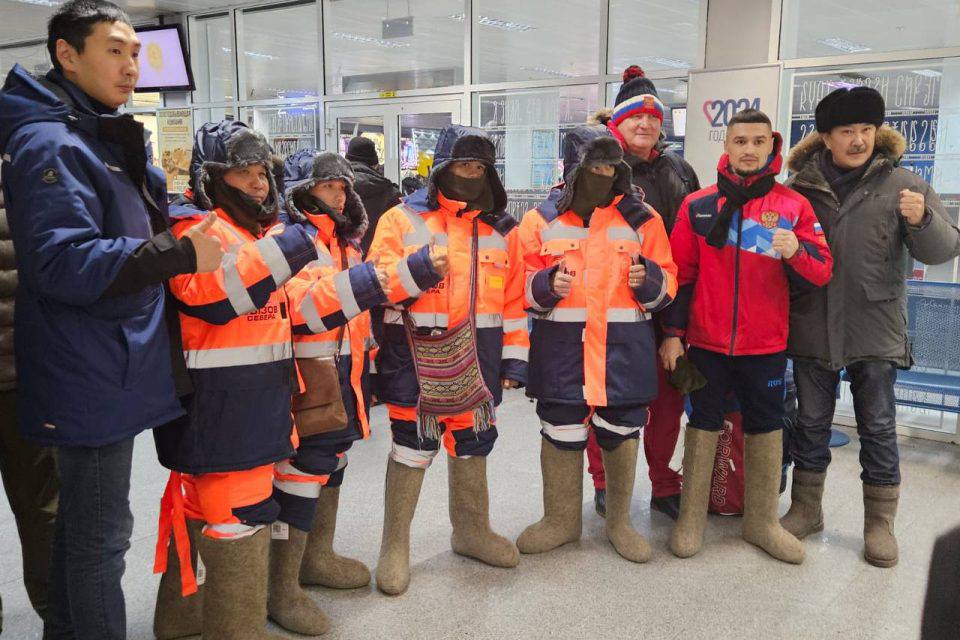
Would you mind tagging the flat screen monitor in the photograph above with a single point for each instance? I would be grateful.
(164, 62)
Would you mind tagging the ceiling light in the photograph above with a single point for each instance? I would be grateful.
(928, 73)
(844, 45)
(549, 72)
(496, 23)
(675, 63)
(388, 44)
(41, 3)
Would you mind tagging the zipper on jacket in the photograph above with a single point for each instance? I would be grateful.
(736, 285)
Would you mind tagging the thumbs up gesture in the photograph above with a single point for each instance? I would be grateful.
(561, 281)
(438, 256)
(208, 248)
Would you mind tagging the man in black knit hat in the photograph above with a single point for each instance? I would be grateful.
(875, 215)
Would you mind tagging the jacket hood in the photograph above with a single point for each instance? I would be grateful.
(308, 167)
(889, 143)
(228, 145)
(26, 99)
(601, 150)
(773, 166)
(457, 143)
(601, 116)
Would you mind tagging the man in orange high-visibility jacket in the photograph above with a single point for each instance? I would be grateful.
(463, 189)
(598, 264)
(237, 336)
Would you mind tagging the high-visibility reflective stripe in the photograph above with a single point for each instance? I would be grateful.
(233, 232)
(341, 462)
(563, 232)
(516, 353)
(514, 325)
(236, 291)
(308, 308)
(420, 234)
(299, 489)
(624, 233)
(528, 293)
(353, 260)
(320, 349)
(285, 468)
(493, 241)
(237, 356)
(660, 296)
(323, 260)
(415, 458)
(565, 432)
(420, 238)
(622, 431)
(421, 319)
(579, 314)
(370, 343)
(406, 279)
(276, 261)
(231, 531)
(348, 302)
(489, 320)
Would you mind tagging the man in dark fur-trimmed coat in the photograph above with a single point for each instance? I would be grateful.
(875, 215)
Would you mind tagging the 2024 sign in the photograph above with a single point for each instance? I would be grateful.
(719, 112)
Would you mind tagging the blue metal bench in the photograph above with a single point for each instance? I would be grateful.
(933, 326)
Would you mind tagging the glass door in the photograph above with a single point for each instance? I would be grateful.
(405, 133)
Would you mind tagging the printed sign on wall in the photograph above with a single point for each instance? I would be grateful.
(714, 98)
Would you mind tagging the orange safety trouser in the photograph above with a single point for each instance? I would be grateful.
(211, 497)
(413, 450)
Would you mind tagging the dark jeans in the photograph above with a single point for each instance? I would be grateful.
(30, 480)
(871, 383)
(93, 530)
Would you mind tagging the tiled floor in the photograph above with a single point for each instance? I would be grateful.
(585, 590)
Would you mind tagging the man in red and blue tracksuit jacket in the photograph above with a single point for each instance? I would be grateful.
(739, 246)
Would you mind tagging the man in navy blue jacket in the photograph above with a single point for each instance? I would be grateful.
(88, 217)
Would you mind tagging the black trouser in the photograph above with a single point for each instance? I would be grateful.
(30, 480)
(874, 404)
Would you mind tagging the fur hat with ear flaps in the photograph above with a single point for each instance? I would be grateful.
(459, 143)
(307, 168)
(599, 151)
(231, 145)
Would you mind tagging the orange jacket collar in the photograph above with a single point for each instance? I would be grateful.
(324, 224)
(455, 207)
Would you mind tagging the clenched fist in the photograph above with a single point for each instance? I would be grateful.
(912, 207)
(785, 243)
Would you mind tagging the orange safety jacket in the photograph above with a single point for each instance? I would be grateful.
(355, 339)
(502, 338)
(237, 343)
(597, 345)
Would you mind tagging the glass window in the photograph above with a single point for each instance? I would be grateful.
(529, 41)
(34, 58)
(371, 127)
(673, 94)
(816, 28)
(280, 51)
(287, 128)
(214, 114)
(372, 45)
(527, 127)
(211, 55)
(656, 34)
(419, 133)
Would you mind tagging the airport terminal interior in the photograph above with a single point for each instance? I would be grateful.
(313, 74)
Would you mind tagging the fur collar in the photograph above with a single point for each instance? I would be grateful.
(890, 144)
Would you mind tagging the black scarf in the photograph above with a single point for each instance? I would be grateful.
(591, 190)
(249, 214)
(842, 181)
(737, 195)
(309, 203)
(474, 191)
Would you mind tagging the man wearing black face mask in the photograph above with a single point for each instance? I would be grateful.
(598, 265)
